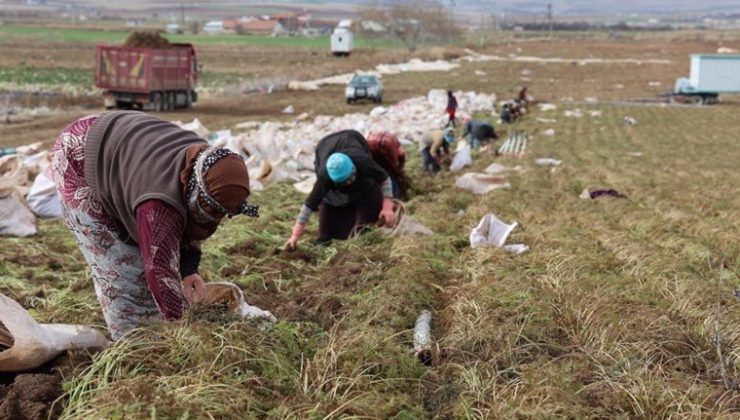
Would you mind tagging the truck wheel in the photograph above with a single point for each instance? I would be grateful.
(349, 101)
(170, 101)
(157, 101)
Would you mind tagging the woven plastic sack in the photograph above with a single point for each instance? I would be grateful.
(27, 344)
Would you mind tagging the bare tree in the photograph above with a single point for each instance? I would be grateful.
(413, 22)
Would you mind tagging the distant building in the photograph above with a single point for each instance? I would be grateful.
(260, 27)
(214, 27)
(372, 26)
(173, 28)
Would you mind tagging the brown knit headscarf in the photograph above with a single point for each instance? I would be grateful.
(228, 183)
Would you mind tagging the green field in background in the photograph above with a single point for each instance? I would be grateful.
(15, 32)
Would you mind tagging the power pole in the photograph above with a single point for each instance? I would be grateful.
(549, 17)
(182, 16)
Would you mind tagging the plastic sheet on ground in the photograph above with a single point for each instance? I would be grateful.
(495, 169)
(516, 249)
(547, 107)
(413, 65)
(548, 162)
(32, 344)
(550, 132)
(476, 57)
(490, 232)
(573, 113)
(479, 183)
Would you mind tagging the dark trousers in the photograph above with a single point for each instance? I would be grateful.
(341, 222)
(430, 164)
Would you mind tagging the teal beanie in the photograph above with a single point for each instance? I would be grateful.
(340, 167)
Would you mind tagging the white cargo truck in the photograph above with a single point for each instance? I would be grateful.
(711, 75)
(341, 42)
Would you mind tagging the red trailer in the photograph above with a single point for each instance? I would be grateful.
(147, 78)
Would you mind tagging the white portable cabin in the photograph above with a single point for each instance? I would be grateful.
(342, 40)
(214, 27)
(712, 74)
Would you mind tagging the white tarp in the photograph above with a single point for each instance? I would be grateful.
(479, 183)
(413, 65)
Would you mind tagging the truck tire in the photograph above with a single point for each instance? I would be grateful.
(157, 101)
(170, 100)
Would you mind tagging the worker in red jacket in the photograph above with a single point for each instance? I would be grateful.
(451, 108)
(390, 155)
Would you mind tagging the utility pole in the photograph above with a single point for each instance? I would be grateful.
(182, 16)
(549, 17)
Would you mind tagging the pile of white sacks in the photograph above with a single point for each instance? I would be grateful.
(26, 191)
(284, 152)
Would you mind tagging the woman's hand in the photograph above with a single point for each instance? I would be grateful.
(291, 244)
(194, 288)
(387, 217)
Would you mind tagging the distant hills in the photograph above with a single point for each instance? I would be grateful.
(594, 7)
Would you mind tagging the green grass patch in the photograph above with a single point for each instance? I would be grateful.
(9, 33)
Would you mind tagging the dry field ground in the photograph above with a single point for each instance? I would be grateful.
(622, 308)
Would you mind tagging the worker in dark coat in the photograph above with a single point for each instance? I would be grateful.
(479, 132)
(351, 190)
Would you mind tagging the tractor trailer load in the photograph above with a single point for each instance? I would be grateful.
(159, 78)
(711, 75)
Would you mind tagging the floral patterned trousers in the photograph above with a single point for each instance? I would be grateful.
(117, 268)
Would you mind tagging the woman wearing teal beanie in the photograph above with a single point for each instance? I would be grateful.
(351, 190)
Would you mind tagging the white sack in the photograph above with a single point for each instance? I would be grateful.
(478, 183)
(196, 127)
(408, 225)
(232, 295)
(490, 232)
(306, 185)
(16, 219)
(462, 158)
(43, 199)
(34, 343)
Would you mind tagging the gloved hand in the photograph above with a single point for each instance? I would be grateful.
(387, 218)
(291, 244)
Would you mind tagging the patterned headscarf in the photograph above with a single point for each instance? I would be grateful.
(197, 188)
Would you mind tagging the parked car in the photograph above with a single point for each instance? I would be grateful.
(364, 86)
